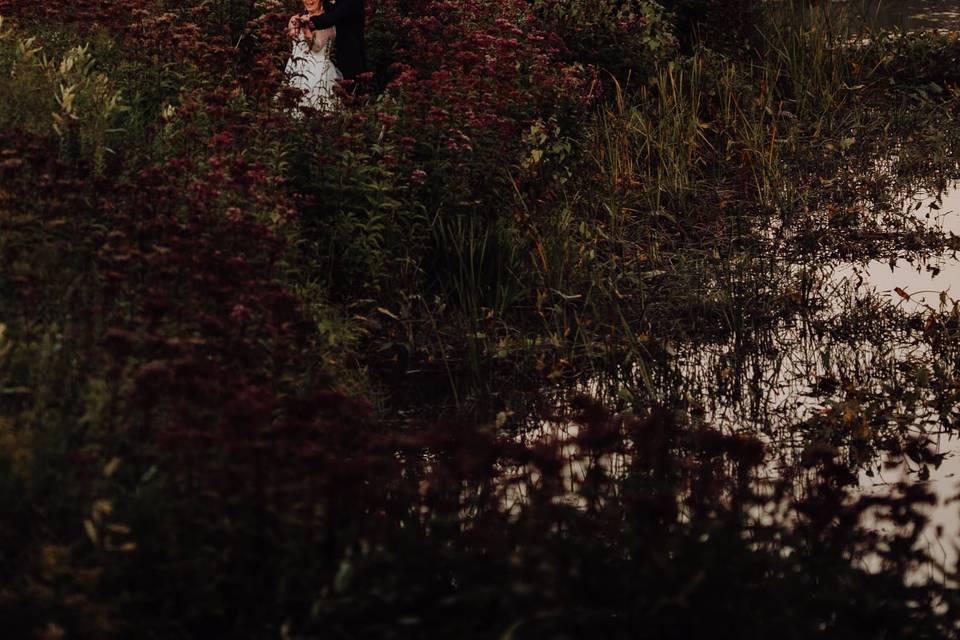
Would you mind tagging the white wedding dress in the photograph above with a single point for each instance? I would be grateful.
(311, 69)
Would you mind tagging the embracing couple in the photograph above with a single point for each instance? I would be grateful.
(311, 67)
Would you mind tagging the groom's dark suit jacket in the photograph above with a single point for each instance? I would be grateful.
(347, 17)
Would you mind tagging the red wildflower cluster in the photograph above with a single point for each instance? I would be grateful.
(471, 77)
(176, 459)
(463, 84)
(185, 253)
(466, 65)
(240, 42)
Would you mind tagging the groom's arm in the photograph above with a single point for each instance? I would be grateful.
(342, 10)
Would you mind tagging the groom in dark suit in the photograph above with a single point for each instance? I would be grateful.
(347, 16)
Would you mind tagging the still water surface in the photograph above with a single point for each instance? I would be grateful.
(852, 342)
(926, 281)
(785, 387)
(910, 15)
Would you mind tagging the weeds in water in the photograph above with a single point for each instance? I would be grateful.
(187, 323)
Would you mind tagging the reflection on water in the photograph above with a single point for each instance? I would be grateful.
(942, 534)
(918, 285)
(821, 351)
(852, 331)
(853, 350)
(923, 278)
(913, 15)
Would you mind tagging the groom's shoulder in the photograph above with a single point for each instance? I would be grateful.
(331, 4)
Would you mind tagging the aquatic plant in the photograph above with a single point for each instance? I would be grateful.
(207, 331)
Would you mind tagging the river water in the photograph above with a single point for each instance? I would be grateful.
(854, 346)
(859, 345)
(912, 15)
(920, 283)
(852, 342)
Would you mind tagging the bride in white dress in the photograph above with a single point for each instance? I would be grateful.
(310, 67)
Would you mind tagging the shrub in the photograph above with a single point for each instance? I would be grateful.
(624, 39)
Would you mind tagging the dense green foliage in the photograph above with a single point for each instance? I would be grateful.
(215, 306)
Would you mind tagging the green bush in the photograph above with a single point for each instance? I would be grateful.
(625, 39)
(70, 96)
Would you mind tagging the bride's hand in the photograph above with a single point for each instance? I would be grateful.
(293, 26)
(307, 30)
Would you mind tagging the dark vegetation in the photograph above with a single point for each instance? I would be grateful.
(277, 374)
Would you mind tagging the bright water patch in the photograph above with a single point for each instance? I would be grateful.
(926, 283)
(923, 278)
(913, 15)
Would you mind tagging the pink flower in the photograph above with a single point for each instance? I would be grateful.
(240, 313)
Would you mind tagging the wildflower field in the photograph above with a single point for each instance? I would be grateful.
(269, 372)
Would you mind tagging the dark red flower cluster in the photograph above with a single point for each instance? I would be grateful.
(472, 77)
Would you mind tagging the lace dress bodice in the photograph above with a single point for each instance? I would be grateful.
(320, 44)
(311, 69)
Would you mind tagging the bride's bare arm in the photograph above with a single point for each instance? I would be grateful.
(322, 37)
(293, 27)
(316, 38)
